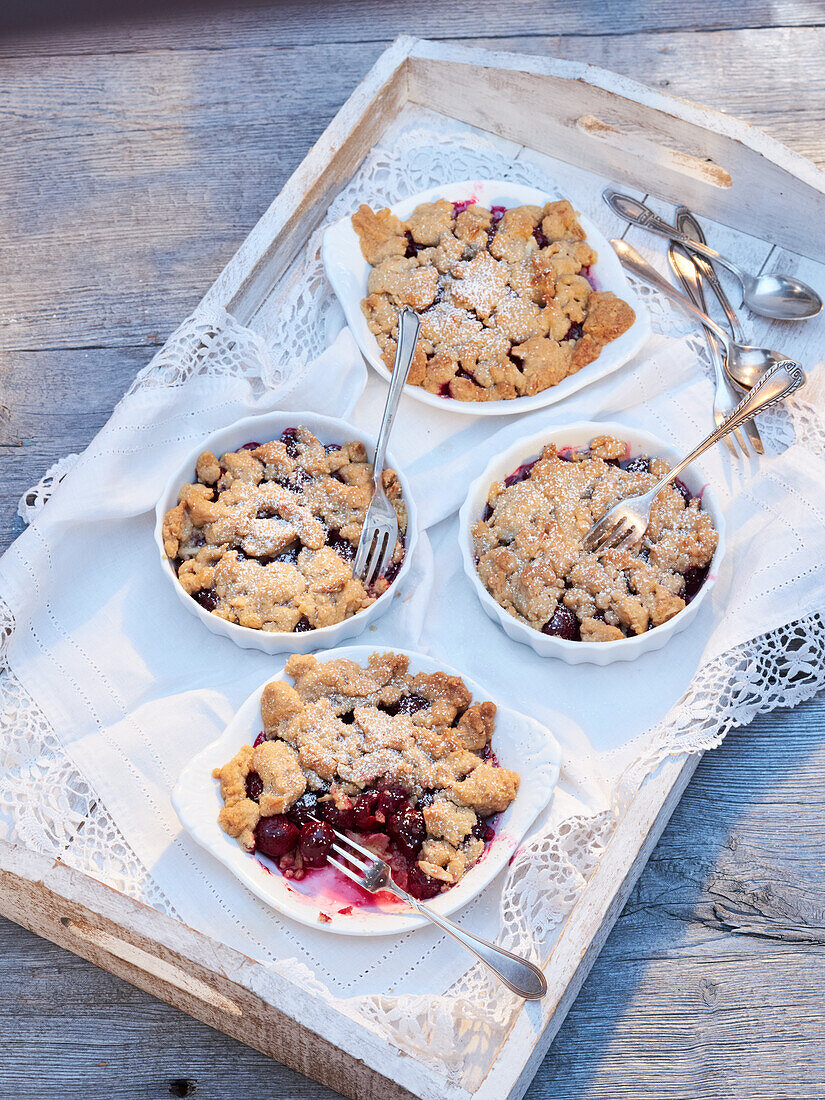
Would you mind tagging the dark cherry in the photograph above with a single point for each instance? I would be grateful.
(695, 577)
(365, 808)
(207, 598)
(290, 555)
(680, 487)
(498, 213)
(303, 625)
(330, 447)
(521, 474)
(638, 465)
(483, 831)
(254, 786)
(393, 569)
(348, 718)
(259, 740)
(412, 247)
(427, 798)
(407, 829)
(575, 332)
(275, 836)
(485, 515)
(315, 842)
(305, 808)
(298, 479)
(338, 819)
(343, 547)
(407, 704)
(460, 207)
(289, 438)
(420, 885)
(249, 447)
(541, 240)
(564, 624)
(391, 800)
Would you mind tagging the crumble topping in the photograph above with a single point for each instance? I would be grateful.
(266, 535)
(530, 558)
(404, 759)
(505, 304)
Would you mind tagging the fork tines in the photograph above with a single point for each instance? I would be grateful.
(373, 557)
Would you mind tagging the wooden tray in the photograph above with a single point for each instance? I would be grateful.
(590, 120)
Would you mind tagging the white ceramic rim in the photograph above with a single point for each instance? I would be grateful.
(577, 434)
(347, 271)
(265, 427)
(197, 801)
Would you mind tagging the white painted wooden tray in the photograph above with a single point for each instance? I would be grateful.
(594, 122)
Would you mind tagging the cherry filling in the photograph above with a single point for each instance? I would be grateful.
(541, 240)
(340, 545)
(314, 843)
(695, 577)
(460, 207)
(412, 247)
(276, 836)
(207, 598)
(393, 827)
(289, 438)
(563, 624)
(254, 786)
(407, 704)
(521, 474)
(575, 332)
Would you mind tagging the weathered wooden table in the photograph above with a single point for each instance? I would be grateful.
(134, 160)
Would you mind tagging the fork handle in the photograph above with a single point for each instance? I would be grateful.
(519, 975)
(779, 382)
(637, 213)
(408, 325)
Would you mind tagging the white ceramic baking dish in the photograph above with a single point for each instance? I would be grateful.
(580, 435)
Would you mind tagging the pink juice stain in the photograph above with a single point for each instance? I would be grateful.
(328, 887)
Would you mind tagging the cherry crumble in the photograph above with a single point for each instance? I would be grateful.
(403, 763)
(506, 298)
(266, 535)
(530, 558)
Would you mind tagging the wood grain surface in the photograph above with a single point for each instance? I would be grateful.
(135, 159)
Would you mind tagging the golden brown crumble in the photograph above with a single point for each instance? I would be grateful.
(266, 535)
(530, 558)
(341, 729)
(506, 308)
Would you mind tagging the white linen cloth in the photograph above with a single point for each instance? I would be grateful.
(113, 681)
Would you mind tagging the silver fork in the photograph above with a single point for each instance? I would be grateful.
(373, 874)
(694, 272)
(380, 531)
(623, 525)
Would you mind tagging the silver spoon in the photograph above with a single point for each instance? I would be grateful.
(772, 295)
(746, 364)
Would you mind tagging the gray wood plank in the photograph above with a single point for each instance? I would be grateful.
(131, 180)
(293, 22)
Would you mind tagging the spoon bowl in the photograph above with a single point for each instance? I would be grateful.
(747, 365)
(781, 297)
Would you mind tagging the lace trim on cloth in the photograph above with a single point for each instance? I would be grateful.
(48, 805)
